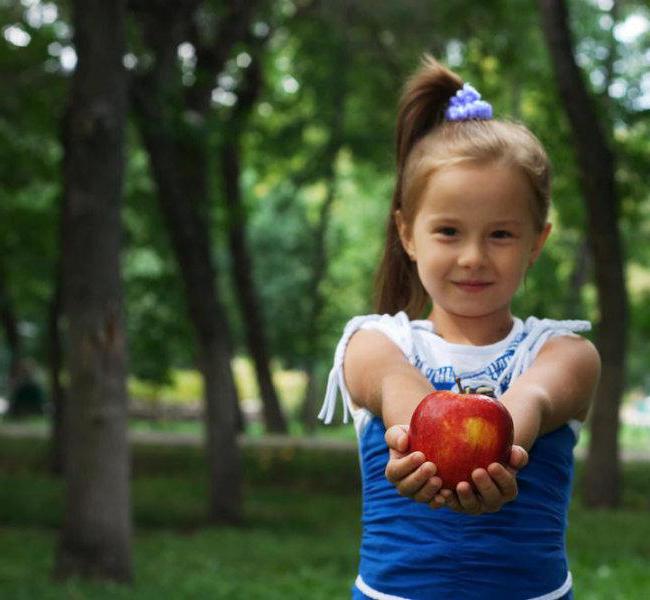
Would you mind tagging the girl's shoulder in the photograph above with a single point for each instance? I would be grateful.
(398, 327)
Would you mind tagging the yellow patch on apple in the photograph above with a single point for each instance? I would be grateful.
(480, 432)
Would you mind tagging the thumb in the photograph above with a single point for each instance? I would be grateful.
(518, 458)
(397, 438)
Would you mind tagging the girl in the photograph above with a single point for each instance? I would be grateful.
(468, 219)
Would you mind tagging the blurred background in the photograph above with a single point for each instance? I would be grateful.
(207, 182)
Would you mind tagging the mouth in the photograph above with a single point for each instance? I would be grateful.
(472, 286)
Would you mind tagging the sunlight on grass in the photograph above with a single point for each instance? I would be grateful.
(187, 387)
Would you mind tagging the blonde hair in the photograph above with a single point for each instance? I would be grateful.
(425, 143)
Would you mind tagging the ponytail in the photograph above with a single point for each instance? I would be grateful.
(422, 105)
(421, 110)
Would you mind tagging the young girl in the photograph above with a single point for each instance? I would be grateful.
(468, 219)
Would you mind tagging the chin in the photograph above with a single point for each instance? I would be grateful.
(475, 312)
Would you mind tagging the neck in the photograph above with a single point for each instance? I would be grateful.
(475, 331)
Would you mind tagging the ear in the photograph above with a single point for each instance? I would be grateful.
(405, 236)
(539, 243)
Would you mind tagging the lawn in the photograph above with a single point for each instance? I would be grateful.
(300, 538)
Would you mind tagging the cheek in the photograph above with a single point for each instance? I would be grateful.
(515, 265)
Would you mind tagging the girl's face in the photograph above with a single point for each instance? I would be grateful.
(473, 238)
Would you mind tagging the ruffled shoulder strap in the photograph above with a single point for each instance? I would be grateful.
(537, 333)
(397, 328)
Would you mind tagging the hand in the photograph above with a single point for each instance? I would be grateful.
(412, 475)
(493, 487)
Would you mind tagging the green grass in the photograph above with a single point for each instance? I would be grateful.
(300, 538)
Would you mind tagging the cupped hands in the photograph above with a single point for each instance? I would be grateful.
(415, 477)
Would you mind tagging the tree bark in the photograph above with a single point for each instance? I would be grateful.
(96, 533)
(602, 478)
(252, 316)
(10, 326)
(179, 165)
(57, 391)
(189, 237)
(579, 276)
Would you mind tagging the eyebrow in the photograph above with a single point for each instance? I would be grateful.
(507, 222)
(450, 219)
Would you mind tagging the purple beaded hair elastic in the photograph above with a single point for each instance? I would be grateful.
(466, 105)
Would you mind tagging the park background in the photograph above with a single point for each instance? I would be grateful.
(192, 204)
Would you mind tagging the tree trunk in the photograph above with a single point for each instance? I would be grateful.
(57, 392)
(579, 276)
(319, 269)
(252, 316)
(314, 394)
(10, 326)
(320, 254)
(189, 235)
(602, 478)
(96, 533)
(179, 164)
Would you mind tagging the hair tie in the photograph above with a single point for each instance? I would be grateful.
(466, 105)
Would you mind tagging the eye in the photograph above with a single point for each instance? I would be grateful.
(447, 231)
(501, 234)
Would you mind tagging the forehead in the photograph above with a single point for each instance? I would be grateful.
(498, 191)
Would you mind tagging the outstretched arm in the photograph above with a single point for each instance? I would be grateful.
(379, 378)
(558, 387)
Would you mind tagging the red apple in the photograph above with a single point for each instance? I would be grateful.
(460, 433)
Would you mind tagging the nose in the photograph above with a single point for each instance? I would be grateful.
(472, 255)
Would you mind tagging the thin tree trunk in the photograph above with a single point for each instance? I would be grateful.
(189, 235)
(57, 392)
(10, 326)
(96, 533)
(252, 316)
(314, 393)
(320, 255)
(179, 165)
(579, 276)
(602, 478)
(319, 269)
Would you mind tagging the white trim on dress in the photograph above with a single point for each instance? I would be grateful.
(364, 588)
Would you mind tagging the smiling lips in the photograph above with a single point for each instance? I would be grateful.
(472, 286)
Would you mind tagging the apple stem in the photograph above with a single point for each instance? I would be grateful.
(460, 387)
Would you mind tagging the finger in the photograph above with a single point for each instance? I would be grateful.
(490, 493)
(518, 458)
(505, 480)
(469, 501)
(438, 501)
(413, 483)
(397, 437)
(427, 492)
(398, 468)
(451, 500)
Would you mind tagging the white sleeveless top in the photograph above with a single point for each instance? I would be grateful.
(492, 368)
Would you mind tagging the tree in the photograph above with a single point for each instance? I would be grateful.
(253, 320)
(602, 479)
(95, 538)
(177, 150)
(9, 323)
